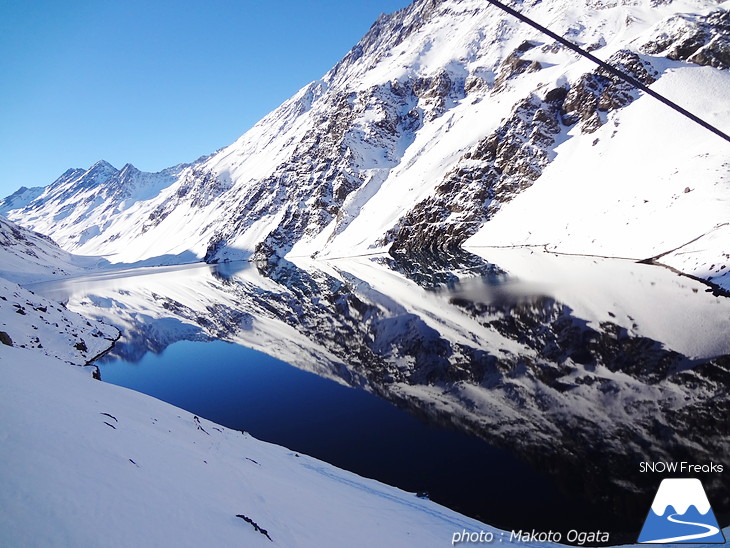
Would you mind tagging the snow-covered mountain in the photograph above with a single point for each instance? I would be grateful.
(451, 122)
(81, 203)
(27, 256)
(20, 198)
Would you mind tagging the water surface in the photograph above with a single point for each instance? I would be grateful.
(521, 388)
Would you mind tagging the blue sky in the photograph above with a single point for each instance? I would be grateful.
(155, 83)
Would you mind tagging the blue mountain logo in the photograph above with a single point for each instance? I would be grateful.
(681, 514)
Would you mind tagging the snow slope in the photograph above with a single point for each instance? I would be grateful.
(33, 322)
(91, 464)
(27, 256)
(447, 117)
(645, 204)
(20, 198)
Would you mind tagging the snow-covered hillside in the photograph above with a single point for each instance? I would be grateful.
(81, 203)
(27, 256)
(637, 204)
(20, 198)
(33, 322)
(443, 114)
(91, 464)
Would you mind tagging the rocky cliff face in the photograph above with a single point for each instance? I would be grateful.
(700, 39)
(443, 113)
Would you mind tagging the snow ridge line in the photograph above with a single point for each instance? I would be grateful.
(613, 70)
(656, 257)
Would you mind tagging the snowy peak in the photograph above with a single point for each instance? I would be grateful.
(99, 173)
(19, 199)
(680, 494)
(387, 32)
(75, 207)
(129, 169)
(103, 166)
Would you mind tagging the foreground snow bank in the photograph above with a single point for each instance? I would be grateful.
(92, 464)
(31, 321)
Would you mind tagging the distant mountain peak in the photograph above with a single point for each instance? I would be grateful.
(102, 162)
(19, 199)
(128, 168)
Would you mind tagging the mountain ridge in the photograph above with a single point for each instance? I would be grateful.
(440, 116)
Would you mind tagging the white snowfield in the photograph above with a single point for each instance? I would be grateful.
(91, 464)
(34, 322)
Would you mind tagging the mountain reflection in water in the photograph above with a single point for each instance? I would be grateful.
(583, 368)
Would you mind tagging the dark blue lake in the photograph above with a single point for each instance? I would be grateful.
(248, 390)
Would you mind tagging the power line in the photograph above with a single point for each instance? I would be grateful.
(613, 70)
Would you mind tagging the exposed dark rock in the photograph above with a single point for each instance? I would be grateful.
(597, 93)
(255, 525)
(490, 174)
(704, 40)
(325, 156)
(514, 65)
(510, 159)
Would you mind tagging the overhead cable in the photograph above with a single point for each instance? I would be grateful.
(611, 69)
